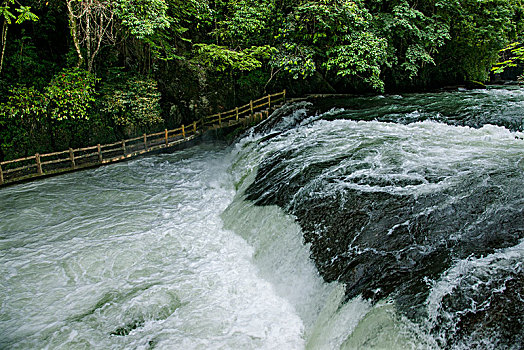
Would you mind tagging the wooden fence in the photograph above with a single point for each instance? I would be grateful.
(75, 159)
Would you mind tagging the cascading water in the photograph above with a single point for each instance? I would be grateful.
(383, 223)
(392, 209)
(135, 256)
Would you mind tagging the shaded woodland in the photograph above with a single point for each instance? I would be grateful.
(81, 72)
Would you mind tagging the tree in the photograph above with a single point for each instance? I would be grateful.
(512, 55)
(21, 119)
(131, 102)
(238, 45)
(222, 58)
(90, 24)
(478, 30)
(334, 36)
(413, 33)
(143, 17)
(70, 94)
(7, 12)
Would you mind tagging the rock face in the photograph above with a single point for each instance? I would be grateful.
(382, 237)
(381, 244)
(388, 245)
(487, 308)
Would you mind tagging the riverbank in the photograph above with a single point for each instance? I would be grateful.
(221, 125)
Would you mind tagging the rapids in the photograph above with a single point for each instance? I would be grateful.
(386, 222)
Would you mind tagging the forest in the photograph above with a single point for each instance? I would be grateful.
(82, 72)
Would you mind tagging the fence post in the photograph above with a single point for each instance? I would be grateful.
(72, 157)
(236, 110)
(124, 146)
(269, 100)
(38, 164)
(99, 153)
(284, 95)
(251, 106)
(166, 136)
(219, 120)
(267, 114)
(194, 127)
(145, 142)
(183, 131)
(1, 175)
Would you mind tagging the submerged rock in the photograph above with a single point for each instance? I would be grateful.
(383, 244)
(390, 209)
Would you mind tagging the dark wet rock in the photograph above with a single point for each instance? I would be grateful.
(485, 306)
(128, 328)
(385, 244)
(382, 242)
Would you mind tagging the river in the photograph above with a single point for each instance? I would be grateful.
(385, 222)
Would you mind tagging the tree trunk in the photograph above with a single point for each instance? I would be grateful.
(4, 44)
(88, 42)
(74, 32)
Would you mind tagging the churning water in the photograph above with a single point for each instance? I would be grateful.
(390, 222)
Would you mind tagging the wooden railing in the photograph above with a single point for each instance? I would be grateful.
(248, 110)
(74, 159)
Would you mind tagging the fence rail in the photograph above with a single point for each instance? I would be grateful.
(74, 159)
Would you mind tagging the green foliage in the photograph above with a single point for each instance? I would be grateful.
(335, 35)
(24, 104)
(478, 30)
(221, 58)
(516, 55)
(7, 13)
(413, 38)
(21, 116)
(135, 102)
(70, 94)
(244, 47)
(295, 59)
(362, 56)
(143, 17)
(19, 14)
(247, 23)
(250, 81)
(30, 118)
(158, 24)
(23, 56)
(67, 97)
